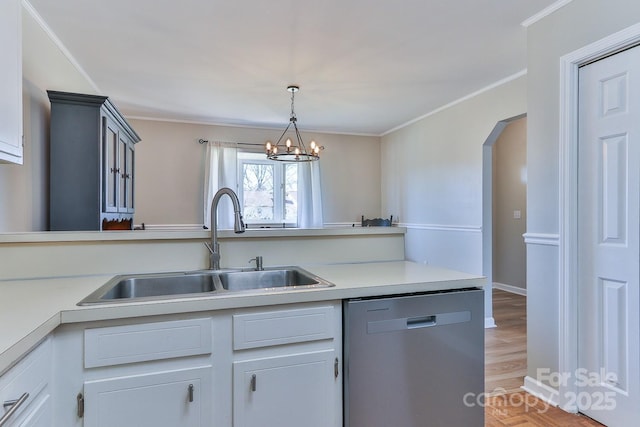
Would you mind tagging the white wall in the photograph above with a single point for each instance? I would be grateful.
(432, 176)
(170, 171)
(24, 189)
(509, 195)
(575, 25)
(169, 161)
(61, 254)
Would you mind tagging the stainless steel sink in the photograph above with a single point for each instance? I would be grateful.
(149, 287)
(289, 277)
(144, 287)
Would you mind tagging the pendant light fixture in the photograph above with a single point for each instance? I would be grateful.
(292, 150)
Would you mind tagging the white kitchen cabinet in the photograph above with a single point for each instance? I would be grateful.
(286, 391)
(25, 388)
(286, 368)
(173, 398)
(11, 82)
(264, 366)
(134, 373)
(173, 392)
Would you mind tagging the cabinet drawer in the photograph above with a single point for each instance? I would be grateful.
(268, 328)
(118, 345)
(31, 375)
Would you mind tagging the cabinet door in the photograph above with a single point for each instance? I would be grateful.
(296, 390)
(123, 152)
(173, 398)
(128, 178)
(111, 171)
(11, 82)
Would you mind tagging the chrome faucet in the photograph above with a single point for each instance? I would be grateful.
(258, 261)
(238, 225)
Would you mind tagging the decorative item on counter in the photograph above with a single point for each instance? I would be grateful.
(377, 222)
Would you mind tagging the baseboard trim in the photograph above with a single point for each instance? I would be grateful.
(541, 391)
(510, 288)
(489, 322)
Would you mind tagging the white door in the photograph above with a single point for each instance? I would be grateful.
(608, 377)
(180, 398)
(286, 391)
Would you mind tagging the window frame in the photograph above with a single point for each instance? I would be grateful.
(279, 193)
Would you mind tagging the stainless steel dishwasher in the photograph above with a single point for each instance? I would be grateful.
(414, 360)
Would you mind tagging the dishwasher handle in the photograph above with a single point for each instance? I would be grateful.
(404, 323)
(421, 322)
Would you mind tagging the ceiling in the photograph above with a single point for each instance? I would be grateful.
(363, 67)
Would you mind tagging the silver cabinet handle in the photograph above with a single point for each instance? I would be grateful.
(190, 392)
(253, 382)
(13, 406)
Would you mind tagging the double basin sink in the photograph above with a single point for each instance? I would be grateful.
(148, 287)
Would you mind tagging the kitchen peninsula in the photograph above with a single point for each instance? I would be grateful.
(48, 273)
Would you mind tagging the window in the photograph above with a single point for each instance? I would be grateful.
(268, 191)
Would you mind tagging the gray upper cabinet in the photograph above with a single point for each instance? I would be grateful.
(91, 164)
(11, 82)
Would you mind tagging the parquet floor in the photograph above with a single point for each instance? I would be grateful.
(505, 368)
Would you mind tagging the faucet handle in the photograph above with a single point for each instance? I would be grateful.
(258, 260)
(209, 247)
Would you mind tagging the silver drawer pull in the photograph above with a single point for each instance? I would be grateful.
(13, 406)
(252, 385)
(190, 392)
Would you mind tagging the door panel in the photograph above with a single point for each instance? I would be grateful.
(285, 391)
(111, 171)
(608, 378)
(129, 172)
(173, 398)
(122, 174)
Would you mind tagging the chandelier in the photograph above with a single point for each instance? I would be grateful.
(292, 151)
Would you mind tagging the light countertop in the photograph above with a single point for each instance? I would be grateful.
(32, 309)
(189, 234)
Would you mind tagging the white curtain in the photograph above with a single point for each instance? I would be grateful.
(221, 170)
(309, 195)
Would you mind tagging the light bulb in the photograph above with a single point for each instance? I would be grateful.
(268, 145)
(297, 151)
(275, 150)
(313, 145)
(288, 143)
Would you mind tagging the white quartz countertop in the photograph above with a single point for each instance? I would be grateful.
(31, 309)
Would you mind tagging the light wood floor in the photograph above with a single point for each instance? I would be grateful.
(506, 346)
(505, 368)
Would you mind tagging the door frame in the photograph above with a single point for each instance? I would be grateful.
(487, 213)
(568, 254)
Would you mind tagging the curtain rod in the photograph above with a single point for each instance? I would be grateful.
(205, 141)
